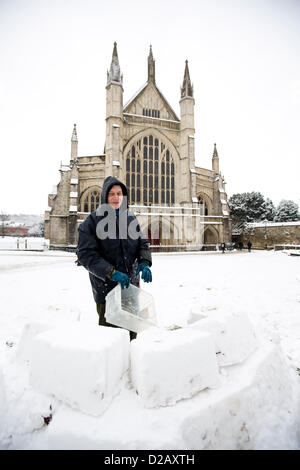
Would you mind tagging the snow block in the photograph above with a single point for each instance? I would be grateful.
(81, 365)
(30, 330)
(167, 366)
(2, 397)
(233, 335)
(254, 409)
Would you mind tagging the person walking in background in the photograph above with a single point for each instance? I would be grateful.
(249, 245)
(223, 247)
(112, 247)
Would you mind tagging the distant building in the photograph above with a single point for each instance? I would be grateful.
(151, 150)
(15, 231)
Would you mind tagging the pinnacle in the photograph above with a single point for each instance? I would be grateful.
(115, 52)
(187, 87)
(215, 154)
(114, 73)
(151, 66)
(74, 134)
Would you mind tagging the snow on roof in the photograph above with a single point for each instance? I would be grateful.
(151, 117)
(167, 102)
(135, 95)
(271, 224)
(65, 168)
(161, 94)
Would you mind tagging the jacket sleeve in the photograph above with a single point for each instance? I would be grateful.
(144, 252)
(88, 252)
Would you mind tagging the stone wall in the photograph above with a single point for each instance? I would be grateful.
(267, 235)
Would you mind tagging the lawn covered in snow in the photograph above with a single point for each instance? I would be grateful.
(48, 287)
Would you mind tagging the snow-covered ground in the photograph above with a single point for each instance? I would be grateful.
(24, 243)
(49, 288)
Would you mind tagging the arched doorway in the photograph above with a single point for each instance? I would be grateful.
(211, 236)
(160, 231)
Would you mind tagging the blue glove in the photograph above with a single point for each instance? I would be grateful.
(121, 278)
(146, 271)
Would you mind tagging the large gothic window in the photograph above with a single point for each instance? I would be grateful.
(91, 201)
(150, 172)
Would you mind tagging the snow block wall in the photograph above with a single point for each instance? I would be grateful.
(2, 399)
(167, 366)
(233, 335)
(81, 365)
(251, 411)
(30, 330)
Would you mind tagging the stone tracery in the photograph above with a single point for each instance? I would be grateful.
(150, 171)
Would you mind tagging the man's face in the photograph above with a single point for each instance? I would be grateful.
(115, 197)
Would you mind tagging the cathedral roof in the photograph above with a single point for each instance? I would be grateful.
(138, 94)
(151, 83)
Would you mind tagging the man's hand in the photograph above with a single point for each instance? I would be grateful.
(146, 271)
(121, 278)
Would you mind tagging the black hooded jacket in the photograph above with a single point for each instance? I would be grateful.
(99, 250)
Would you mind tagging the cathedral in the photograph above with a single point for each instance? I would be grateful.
(148, 147)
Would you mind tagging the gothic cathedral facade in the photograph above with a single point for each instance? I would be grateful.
(151, 150)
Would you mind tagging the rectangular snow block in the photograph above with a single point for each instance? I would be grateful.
(3, 404)
(2, 395)
(131, 308)
(30, 330)
(167, 366)
(233, 335)
(81, 365)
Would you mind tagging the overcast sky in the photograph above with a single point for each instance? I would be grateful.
(244, 63)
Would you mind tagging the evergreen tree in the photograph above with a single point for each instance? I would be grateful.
(250, 207)
(269, 210)
(42, 229)
(287, 211)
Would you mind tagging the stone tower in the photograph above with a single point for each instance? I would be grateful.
(187, 136)
(74, 144)
(215, 160)
(114, 118)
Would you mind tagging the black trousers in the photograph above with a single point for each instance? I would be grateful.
(103, 322)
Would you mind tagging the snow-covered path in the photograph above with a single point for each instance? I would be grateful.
(50, 288)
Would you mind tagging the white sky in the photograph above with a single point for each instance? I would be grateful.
(244, 64)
